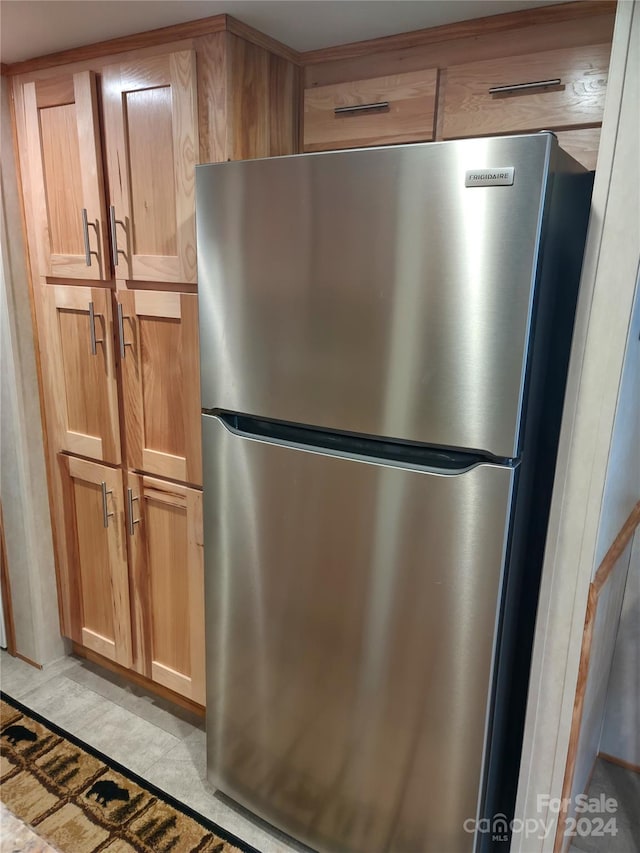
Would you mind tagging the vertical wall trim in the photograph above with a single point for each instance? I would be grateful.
(23, 485)
(602, 322)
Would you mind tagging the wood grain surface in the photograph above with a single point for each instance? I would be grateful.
(471, 110)
(409, 117)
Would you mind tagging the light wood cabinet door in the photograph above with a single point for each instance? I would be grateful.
(377, 111)
(65, 181)
(96, 547)
(152, 143)
(552, 90)
(158, 339)
(80, 363)
(165, 535)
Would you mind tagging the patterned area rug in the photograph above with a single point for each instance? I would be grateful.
(83, 802)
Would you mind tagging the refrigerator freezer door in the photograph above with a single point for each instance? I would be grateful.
(373, 291)
(351, 611)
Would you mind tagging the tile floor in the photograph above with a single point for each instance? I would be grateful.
(623, 785)
(162, 743)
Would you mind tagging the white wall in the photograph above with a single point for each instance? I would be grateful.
(621, 728)
(621, 493)
(23, 484)
(622, 486)
(578, 517)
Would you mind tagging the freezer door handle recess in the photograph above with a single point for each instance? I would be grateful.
(448, 461)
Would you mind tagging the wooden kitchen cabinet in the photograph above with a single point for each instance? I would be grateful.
(96, 548)
(81, 370)
(64, 163)
(158, 339)
(377, 111)
(551, 90)
(167, 580)
(582, 144)
(151, 128)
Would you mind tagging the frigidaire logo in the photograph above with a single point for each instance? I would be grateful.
(502, 177)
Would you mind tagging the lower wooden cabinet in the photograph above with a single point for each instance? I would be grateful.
(97, 573)
(135, 569)
(164, 524)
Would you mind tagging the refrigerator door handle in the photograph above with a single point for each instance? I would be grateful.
(372, 450)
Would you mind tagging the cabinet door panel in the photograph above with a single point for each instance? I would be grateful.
(554, 89)
(95, 536)
(152, 140)
(161, 382)
(65, 164)
(378, 111)
(165, 540)
(82, 368)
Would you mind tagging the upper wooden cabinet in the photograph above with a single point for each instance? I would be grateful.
(65, 187)
(552, 90)
(158, 339)
(151, 129)
(81, 369)
(377, 111)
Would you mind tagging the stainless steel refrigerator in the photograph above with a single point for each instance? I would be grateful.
(384, 341)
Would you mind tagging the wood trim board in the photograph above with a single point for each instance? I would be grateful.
(617, 548)
(150, 38)
(7, 604)
(601, 577)
(25, 659)
(578, 708)
(112, 47)
(220, 23)
(612, 759)
(462, 29)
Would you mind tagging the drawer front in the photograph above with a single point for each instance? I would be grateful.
(582, 144)
(378, 111)
(506, 95)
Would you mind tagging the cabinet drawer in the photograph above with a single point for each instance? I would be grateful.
(378, 111)
(509, 96)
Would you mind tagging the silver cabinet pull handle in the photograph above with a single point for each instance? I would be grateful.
(114, 236)
(121, 318)
(106, 515)
(131, 521)
(92, 329)
(519, 87)
(360, 108)
(85, 231)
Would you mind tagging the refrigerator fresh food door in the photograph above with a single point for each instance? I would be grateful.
(373, 291)
(351, 615)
